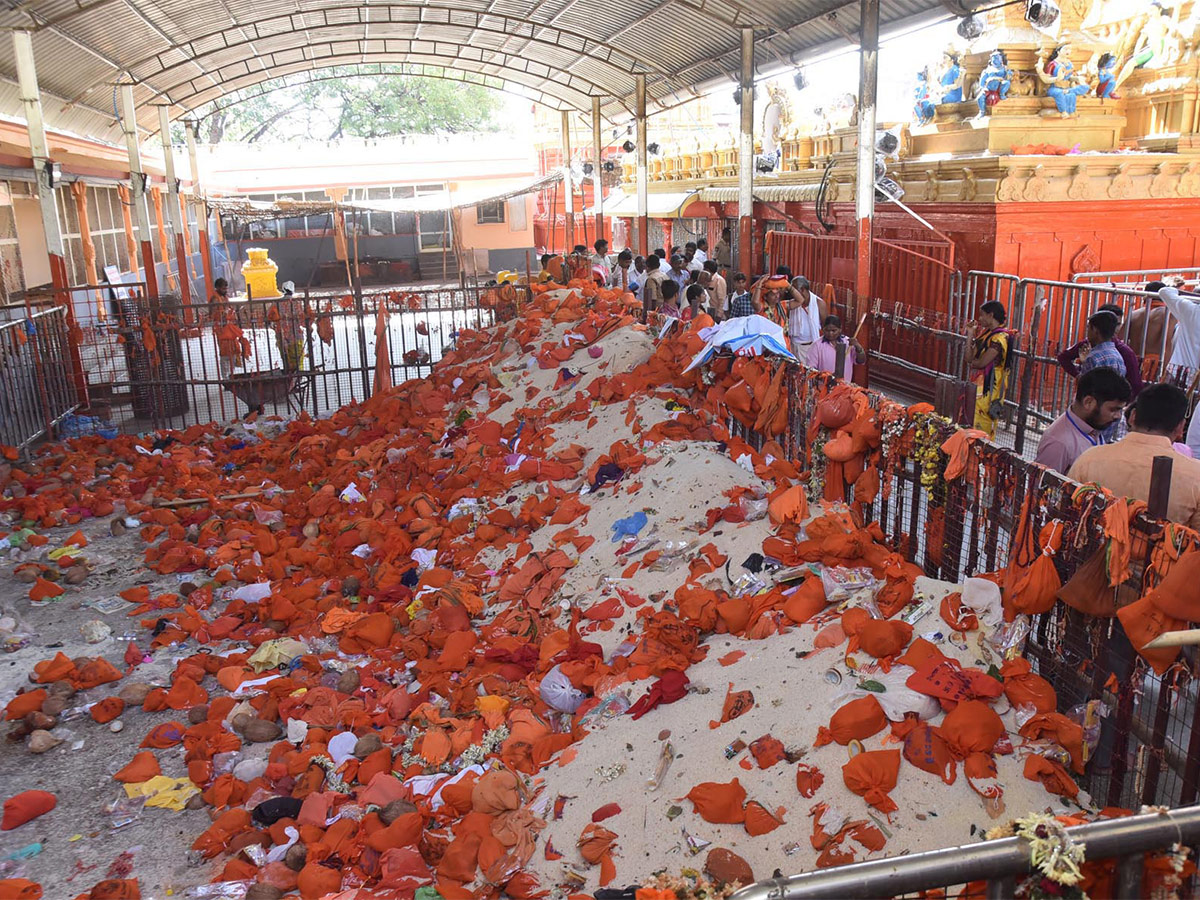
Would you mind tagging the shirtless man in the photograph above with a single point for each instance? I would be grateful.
(1146, 330)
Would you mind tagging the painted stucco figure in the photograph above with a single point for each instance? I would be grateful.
(995, 81)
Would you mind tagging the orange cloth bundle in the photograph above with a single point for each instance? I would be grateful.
(872, 774)
(857, 720)
(719, 803)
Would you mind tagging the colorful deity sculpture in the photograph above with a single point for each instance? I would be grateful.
(951, 82)
(995, 81)
(1106, 77)
(924, 107)
(1157, 41)
(1057, 73)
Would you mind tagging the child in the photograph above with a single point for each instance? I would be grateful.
(546, 274)
(822, 355)
(740, 301)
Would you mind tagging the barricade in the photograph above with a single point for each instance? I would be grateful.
(36, 388)
(153, 367)
(1148, 750)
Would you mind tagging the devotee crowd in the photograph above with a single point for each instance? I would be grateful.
(1110, 434)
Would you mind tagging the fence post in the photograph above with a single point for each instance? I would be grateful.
(1027, 376)
(362, 336)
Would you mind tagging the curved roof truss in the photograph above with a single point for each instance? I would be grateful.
(186, 53)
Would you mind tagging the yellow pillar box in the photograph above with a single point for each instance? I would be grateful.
(259, 272)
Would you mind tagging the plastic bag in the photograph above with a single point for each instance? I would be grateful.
(1009, 635)
(983, 598)
(753, 509)
(558, 692)
(1088, 715)
(897, 698)
(612, 706)
(841, 583)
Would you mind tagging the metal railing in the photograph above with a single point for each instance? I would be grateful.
(1147, 749)
(156, 364)
(999, 863)
(36, 388)
(1136, 277)
(925, 344)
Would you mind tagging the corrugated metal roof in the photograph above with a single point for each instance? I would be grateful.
(560, 52)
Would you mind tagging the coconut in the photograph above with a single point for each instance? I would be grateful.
(296, 857)
(348, 682)
(198, 714)
(40, 741)
(258, 731)
(395, 810)
(367, 744)
(134, 694)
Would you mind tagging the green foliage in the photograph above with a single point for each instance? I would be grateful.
(344, 102)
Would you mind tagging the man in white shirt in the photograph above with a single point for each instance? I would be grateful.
(806, 312)
(692, 261)
(624, 277)
(1185, 309)
(600, 261)
(717, 286)
(702, 250)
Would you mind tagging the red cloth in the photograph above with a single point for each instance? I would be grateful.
(671, 687)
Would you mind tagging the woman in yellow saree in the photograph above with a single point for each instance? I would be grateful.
(988, 364)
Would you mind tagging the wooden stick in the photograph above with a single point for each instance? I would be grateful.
(1185, 638)
(200, 501)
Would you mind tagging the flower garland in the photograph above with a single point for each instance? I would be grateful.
(688, 885)
(927, 451)
(1052, 853)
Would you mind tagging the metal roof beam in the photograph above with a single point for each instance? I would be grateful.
(313, 76)
(447, 17)
(565, 81)
(606, 87)
(563, 94)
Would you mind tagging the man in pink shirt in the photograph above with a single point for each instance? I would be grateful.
(822, 355)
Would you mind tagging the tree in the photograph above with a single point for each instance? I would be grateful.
(344, 102)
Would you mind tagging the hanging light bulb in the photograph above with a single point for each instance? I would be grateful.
(800, 79)
(737, 95)
(652, 149)
(629, 146)
(1041, 13)
(971, 27)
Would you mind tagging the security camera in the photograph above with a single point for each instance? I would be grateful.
(1041, 13)
(971, 27)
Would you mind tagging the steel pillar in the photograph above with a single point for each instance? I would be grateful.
(137, 193)
(643, 170)
(201, 212)
(597, 188)
(39, 151)
(746, 158)
(864, 206)
(568, 184)
(181, 260)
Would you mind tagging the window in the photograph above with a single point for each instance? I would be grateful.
(106, 223)
(11, 276)
(490, 212)
(433, 228)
